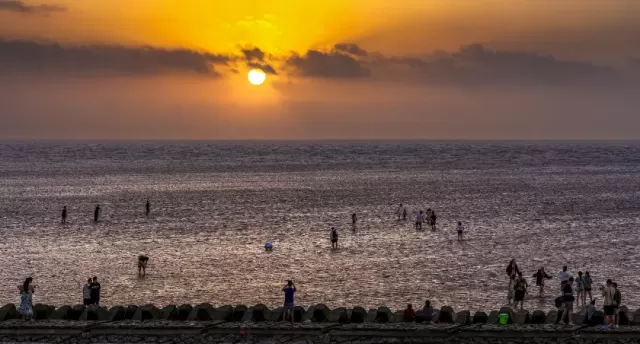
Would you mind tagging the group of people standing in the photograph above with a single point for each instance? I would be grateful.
(573, 290)
(98, 211)
(421, 217)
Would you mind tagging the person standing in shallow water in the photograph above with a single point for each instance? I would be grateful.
(460, 230)
(399, 212)
(147, 208)
(580, 293)
(64, 214)
(540, 277)
(404, 213)
(433, 220)
(96, 213)
(26, 299)
(419, 220)
(588, 284)
(354, 221)
(334, 238)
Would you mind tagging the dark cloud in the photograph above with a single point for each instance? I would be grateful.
(31, 56)
(21, 7)
(267, 68)
(350, 48)
(474, 64)
(327, 65)
(253, 54)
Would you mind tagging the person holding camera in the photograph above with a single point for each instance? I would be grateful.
(289, 303)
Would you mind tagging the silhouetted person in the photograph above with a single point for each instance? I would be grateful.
(95, 291)
(354, 221)
(64, 214)
(147, 208)
(334, 238)
(96, 213)
(142, 264)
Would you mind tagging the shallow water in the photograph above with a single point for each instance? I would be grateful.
(215, 204)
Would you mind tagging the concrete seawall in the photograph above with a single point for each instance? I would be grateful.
(318, 324)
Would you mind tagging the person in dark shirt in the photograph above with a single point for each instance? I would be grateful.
(512, 268)
(64, 214)
(289, 302)
(617, 298)
(147, 208)
(334, 238)
(540, 277)
(427, 312)
(409, 314)
(354, 221)
(142, 264)
(95, 291)
(96, 213)
(568, 302)
(433, 220)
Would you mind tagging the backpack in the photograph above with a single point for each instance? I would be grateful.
(559, 301)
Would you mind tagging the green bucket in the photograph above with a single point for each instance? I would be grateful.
(503, 318)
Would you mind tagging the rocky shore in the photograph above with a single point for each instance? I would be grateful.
(203, 323)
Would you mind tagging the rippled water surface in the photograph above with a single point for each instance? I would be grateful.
(215, 204)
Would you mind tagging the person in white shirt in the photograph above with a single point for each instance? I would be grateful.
(460, 230)
(86, 293)
(563, 276)
(419, 220)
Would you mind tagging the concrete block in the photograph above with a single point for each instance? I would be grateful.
(223, 313)
(277, 314)
(95, 313)
(261, 313)
(538, 317)
(624, 315)
(308, 315)
(117, 313)
(8, 312)
(298, 313)
(447, 315)
(493, 318)
(463, 318)
(552, 317)
(184, 311)
(76, 311)
(371, 315)
(480, 318)
(248, 315)
(130, 311)
(338, 315)
(321, 313)
(238, 312)
(169, 312)
(521, 317)
(201, 312)
(62, 313)
(384, 315)
(147, 313)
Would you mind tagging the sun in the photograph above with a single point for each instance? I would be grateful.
(257, 77)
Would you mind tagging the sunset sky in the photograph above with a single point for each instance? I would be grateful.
(337, 69)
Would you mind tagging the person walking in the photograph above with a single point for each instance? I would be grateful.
(64, 214)
(540, 277)
(94, 294)
(86, 293)
(26, 299)
(334, 238)
(96, 213)
(289, 302)
(568, 302)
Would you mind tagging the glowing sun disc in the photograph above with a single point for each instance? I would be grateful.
(257, 77)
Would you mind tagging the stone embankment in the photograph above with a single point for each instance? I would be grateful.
(203, 323)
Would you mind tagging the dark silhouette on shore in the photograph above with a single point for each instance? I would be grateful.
(147, 208)
(64, 214)
(96, 213)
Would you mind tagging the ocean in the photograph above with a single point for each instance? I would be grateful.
(215, 204)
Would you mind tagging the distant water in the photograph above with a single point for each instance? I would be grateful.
(214, 205)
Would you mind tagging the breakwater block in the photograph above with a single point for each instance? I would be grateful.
(447, 315)
(339, 315)
(76, 311)
(8, 312)
(636, 317)
(480, 318)
(321, 313)
(147, 313)
(117, 313)
(509, 311)
(224, 313)
(184, 311)
(201, 312)
(62, 313)
(597, 318)
(521, 317)
(238, 312)
(384, 315)
(95, 313)
(277, 314)
(493, 317)
(623, 313)
(130, 311)
(463, 318)
(552, 317)
(308, 315)
(261, 313)
(42, 311)
(538, 317)
(298, 313)
(169, 312)
(371, 315)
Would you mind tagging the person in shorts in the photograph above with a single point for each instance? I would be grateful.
(608, 292)
(289, 302)
(419, 220)
(617, 299)
(334, 237)
(142, 264)
(520, 291)
(568, 302)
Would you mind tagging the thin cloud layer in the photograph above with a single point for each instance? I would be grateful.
(20, 7)
(333, 64)
(36, 57)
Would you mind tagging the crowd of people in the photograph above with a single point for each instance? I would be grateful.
(573, 290)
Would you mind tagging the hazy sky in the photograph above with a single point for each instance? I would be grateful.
(337, 69)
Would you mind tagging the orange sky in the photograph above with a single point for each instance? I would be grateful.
(303, 95)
